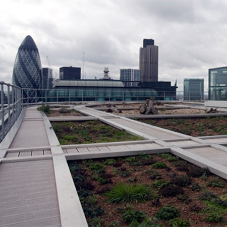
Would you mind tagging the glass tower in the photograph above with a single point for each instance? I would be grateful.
(193, 89)
(130, 77)
(218, 83)
(27, 69)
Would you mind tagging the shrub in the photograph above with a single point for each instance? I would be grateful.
(159, 184)
(129, 193)
(97, 168)
(110, 162)
(216, 182)
(181, 181)
(167, 213)
(129, 215)
(159, 165)
(171, 191)
(44, 108)
(177, 222)
(214, 217)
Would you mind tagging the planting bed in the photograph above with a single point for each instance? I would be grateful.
(89, 132)
(193, 127)
(113, 192)
(55, 113)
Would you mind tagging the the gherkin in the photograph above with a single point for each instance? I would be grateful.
(27, 69)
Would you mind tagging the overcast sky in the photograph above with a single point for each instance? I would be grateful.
(191, 35)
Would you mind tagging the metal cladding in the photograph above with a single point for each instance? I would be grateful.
(27, 66)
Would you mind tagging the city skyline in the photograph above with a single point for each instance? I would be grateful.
(190, 35)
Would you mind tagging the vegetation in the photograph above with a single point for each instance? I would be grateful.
(89, 132)
(44, 108)
(129, 193)
(167, 213)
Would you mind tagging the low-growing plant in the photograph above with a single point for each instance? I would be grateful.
(167, 213)
(113, 224)
(184, 198)
(177, 222)
(131, 159)
(159, 165)
(169, 157)
(129, 215)
(155, 175)
(181, 181)
(171, 191)
(132, 179)
(97, 168)
(195, 208)
(179, 163)
(195, 187)
(159, 184)
(208, 196)
(147, 162)
(125, 174)
(129, 193)
(110, 162)
(223, 197)
(44, 108)
(214, 217)
(95, 222)
(216, 182)
(150, 222)
(195, 172)
(117, 164)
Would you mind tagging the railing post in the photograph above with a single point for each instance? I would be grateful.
(69, 96)
(57, 96)
(2, 109)
(9, 115)
(13, 105)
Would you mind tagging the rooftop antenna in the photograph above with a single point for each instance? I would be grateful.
(83, 67)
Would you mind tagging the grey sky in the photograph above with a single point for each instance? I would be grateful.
(191, 35)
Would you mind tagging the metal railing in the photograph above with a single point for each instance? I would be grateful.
(11, 106)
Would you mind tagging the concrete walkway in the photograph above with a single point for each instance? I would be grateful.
(36, 185)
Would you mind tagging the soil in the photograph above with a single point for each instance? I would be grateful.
(55, 113)
(192, 127)
(141, 173)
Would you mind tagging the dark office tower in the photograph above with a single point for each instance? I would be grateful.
(27, 69)
(148, 63)
(47, 80)
(70, 73)
(147, 42)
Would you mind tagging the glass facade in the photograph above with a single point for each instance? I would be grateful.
(27, 67)
(113, 90)
(193, 89)
(130, 77)
(218, 83)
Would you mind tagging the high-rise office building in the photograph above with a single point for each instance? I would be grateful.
(47, 78)
(70, 73)
(27, 68)
(193, 89)
(130, 77)
(148, 61)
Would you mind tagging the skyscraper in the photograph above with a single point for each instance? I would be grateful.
(148, 61)
(27, 68)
